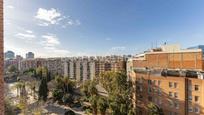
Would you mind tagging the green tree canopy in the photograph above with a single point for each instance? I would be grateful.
(43, 90)
(154, 109)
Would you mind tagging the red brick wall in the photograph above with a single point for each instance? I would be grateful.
(185, 60)
(1, 60)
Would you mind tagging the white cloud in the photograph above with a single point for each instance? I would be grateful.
(29, 31)
(25, 36)
(47, 17)
(50, 44)
(52, 17)
(51, 40)
(10, 7)
(70, 22)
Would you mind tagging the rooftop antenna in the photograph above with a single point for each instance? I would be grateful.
(156, 44)
(152, 45)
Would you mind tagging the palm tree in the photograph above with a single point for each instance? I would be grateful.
(102, 105)
(154, 109)
(18, 86)
(32, 86)
(66, 84)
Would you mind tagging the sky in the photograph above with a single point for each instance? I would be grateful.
(63, 28)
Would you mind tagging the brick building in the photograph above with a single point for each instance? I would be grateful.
(169, 77)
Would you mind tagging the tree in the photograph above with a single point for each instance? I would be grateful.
(57, 94)
(39, 72)
(92, 88)
(12, 69)
(102, 105)
(18, 87)
(154, 109)
(119, 89)
(43, 90)
(9, 107)
(85, 87)
(32, 86)
(93, 101)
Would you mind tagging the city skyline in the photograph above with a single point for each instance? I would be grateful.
(77, 28)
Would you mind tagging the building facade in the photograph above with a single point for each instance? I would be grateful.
(171, 79)
(78, 68)
(9, 55)
(30, 55)
(89, 68)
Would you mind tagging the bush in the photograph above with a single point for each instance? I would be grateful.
(67, 98)
(57, 94)
(69, 112)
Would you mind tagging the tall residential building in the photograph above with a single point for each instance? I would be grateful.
(92, 70)
(169, 77)
(71, 70)
(85, 70)
(78, 70)
(9, 55)
(29, 55)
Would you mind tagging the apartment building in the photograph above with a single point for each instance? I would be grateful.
(92, 70)
(78, 68)
(169, 77)
(83, 68)
(54, 65)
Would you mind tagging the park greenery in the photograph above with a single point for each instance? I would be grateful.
(86, 95)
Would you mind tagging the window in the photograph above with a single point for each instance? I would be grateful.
(155, 90)
(170, 84)
(159, 83)
(159, 91)
(154, 82)
(139, 88)
(140, 81)
(197, 110)
(140, 96)
(196, 87)
(149, 98)
(170, 94)
(196, 98)
(155, 100)
(159, 101)
(175, 94)
(149, 82)
(176, 105)
(190, 87)
(190, 109)
(175, 85)
(190, 98)
(149, 89)
(171, 104)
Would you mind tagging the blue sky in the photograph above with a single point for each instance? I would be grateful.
(50, 28)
